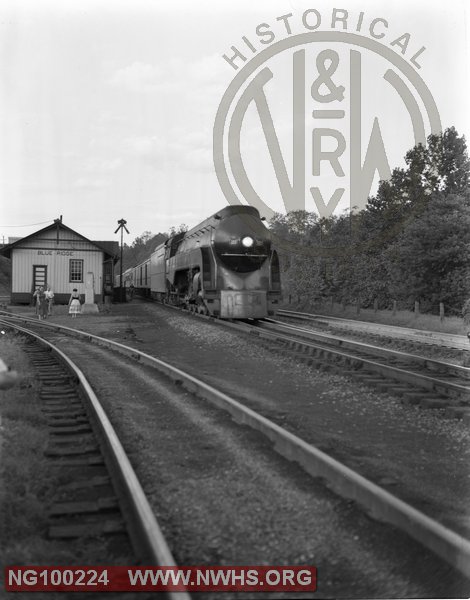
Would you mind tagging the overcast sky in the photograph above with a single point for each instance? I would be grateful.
(107, 108)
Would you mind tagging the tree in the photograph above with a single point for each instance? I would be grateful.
(429, 260)
(141, 248)
(180, 229)
(440, 166)
(448, 165)
(412, 242)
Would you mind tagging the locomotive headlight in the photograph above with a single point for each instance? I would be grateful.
(248, 242)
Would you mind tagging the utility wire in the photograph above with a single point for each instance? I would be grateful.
(30, 225)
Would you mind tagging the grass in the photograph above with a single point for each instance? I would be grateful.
(402, 318)
(28, 485)
(24, 484)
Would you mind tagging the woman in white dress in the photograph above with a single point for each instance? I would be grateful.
(74, 303)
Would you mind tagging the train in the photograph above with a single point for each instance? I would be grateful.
(225, 267)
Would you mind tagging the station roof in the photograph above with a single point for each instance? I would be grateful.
(110, 249)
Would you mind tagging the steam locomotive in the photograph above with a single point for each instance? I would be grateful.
(224, 267)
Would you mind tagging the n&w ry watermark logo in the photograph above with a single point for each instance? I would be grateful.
(308, 118)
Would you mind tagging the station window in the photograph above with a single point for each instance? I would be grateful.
(107, 273)
(76, 271)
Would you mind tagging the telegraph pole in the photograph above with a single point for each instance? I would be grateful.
(122, 225)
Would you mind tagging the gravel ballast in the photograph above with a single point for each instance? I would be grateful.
(413, 453)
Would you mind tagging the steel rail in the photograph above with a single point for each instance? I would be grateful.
(379, 503)
(385, 352)
(146, 535)
(426, 381)
(449, 340)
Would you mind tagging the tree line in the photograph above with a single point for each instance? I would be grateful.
(143, 246)
(410, 243)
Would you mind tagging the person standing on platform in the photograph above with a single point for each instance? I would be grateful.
(50, 299)
(42, 304)
(35, 300)
(74, 303)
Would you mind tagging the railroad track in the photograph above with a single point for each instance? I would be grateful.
(101, 494)
(446, 543)
(418, 380)
(434, 338)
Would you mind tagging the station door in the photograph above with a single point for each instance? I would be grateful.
(39, 276)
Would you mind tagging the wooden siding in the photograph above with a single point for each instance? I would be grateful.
(57, 260)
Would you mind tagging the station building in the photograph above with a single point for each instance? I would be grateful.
(62, 258)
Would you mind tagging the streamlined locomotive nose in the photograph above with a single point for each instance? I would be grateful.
(242, 242)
